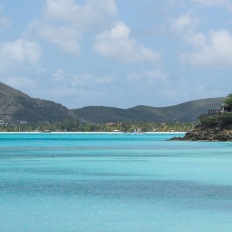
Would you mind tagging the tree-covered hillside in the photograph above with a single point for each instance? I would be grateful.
(185, 112)
(214, 126)
(15, 105)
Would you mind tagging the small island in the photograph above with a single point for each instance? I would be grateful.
(214, 126)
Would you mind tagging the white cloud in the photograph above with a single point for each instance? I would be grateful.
(196, 39)
(116, 44)
(19, 51)
(20, 82)
(206, 3)
(84, 85)
(200, 3)
(91, 12)
(184, 23)
(4, 23)
(66, 38)
(63, 22)
(214, 49)
(75, 97)
(80, 80)
(149, 78)
(153, 76)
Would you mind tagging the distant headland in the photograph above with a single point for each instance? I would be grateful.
(214, 126)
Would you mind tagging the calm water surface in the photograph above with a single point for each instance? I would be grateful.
(114, 183)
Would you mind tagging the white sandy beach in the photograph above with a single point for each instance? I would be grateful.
(35, 132)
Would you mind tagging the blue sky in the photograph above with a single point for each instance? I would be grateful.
(115, 52)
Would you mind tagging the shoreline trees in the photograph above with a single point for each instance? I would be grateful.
(76, 126)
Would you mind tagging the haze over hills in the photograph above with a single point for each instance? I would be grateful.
(15, 105)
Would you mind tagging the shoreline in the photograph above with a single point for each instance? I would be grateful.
(35, 132)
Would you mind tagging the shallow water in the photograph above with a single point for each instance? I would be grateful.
(114, 183)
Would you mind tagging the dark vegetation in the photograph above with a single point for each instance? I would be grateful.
(216, 127)
(15, 105)
(75, 126)
(222, 120)
(185, 112)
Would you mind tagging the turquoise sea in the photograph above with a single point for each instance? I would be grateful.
(114, 183)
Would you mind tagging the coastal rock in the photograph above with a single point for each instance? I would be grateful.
(215, 126)
(207, 134)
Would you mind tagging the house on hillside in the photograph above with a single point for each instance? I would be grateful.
(225, 108)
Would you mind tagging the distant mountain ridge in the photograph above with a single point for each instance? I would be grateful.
(184, 112)
(15, 105)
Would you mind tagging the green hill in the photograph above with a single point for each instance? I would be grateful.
(15, 105)
(185, 112)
